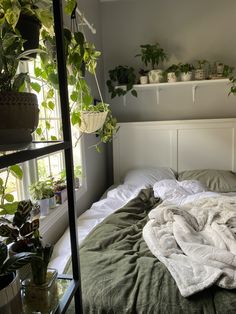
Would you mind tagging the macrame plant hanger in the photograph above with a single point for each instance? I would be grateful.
(91, 121)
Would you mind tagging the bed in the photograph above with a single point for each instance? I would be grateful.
(120, 271)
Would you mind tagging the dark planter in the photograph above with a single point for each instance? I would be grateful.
(29, 27)
(10, 297)
(19, 116)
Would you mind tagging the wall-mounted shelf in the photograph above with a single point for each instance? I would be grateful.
(158, 87)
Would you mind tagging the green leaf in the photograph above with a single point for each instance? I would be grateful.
(17, 261)
(134, 93)
(50, 93)
(48, 125)
(9, 198)
(1, 182)
(8, 209)
(44, 104)
(19, 81)
(39, 131)
(75, 118)
(35, 86)
(51, 105)
(53, 138)
(16, 171)
(37, 72)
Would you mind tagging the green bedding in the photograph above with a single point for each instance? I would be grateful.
(120, 274)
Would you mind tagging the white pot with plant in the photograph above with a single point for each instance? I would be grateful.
(173, 73)
(143, 76)
(186, 71)
(153, 55)
(42, 192)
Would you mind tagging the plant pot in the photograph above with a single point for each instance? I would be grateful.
(40, 298)
(61, 196)
(200, 74)
(10, 296)
(219, 69)
(171, 77)
(144, 79)
(92, 121)
(44, 206)
(186, 76)
(52, 202)
(155, 76)
(18, 119)
(29, 28)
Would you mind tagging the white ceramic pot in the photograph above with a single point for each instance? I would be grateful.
(171, 77)
(200, 74)
(44, 206)
(186, 76)
(143, 79)
(155, 76)
(10, 296)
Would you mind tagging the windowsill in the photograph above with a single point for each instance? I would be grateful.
(57, 213)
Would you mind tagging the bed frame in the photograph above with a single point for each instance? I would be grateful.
(181, 145)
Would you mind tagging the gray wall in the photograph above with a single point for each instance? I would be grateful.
(187, 30)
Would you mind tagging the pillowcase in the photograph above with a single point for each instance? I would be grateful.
(222, 181)
(148, 176)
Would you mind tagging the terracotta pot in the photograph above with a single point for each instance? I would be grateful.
(19, 116)
(10, 296)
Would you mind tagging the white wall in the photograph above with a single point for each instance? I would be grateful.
(187, 30)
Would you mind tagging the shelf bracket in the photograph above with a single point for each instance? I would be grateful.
(158, 90)
(194, 88)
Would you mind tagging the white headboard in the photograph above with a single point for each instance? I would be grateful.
(181, 145)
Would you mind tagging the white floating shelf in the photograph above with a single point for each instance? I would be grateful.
(159, 86)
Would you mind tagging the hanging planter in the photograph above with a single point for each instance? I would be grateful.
(29, 28)
(92, 121)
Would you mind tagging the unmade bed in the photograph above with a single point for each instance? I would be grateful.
(119, 272)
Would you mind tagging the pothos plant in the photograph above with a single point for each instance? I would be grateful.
(8, 205)
(79, 53)
(121, 75)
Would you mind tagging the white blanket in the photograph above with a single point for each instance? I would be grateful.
(196, 241)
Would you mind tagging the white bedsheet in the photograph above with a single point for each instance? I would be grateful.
(115, 199)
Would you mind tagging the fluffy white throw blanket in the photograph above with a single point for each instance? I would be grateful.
(196, 242)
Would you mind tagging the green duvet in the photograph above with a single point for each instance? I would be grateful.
(120, 274)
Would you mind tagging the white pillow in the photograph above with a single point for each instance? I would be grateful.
(148, 176)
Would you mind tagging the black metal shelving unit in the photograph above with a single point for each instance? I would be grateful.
(37, 149)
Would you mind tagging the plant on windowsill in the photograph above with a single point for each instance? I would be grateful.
(9, 281)
(42, 192)
(19, 110)
(121, 75)
(27, 17)
(153, 55)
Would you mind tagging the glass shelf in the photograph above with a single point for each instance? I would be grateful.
(33, 150)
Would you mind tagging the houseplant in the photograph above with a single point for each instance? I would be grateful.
(60, 190)
(121, 75)
(10, 296)
(201, 72)
(186, 70)
(42, 192)
(143, 76)
(27, 17)
(153, 55)
(19, 110)
(172, 73)
(39, 292)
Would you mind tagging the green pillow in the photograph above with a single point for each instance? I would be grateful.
(215, 180)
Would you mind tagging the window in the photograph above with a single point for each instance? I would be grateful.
(49, 128)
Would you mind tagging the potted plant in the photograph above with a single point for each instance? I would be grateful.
(27, 17)
(10, 295)
(228, 71)
(42, 192)
(186, 70)
(60, 190)
(143, 76)
(172, 73)
(39, 292)
(121, 75)
(19, 110)
(153, 55)
(201, 72)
